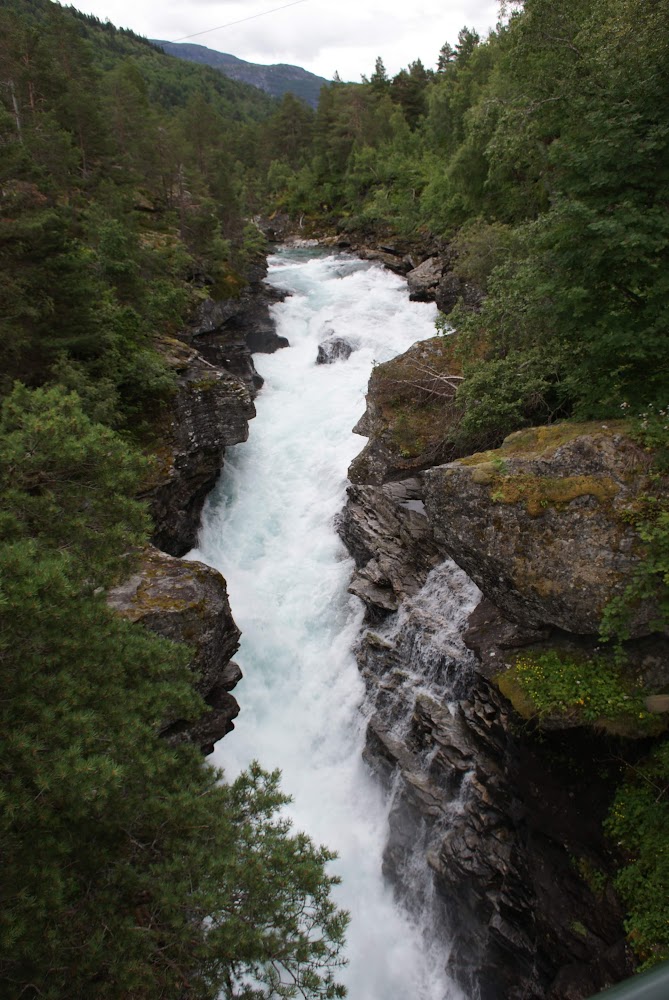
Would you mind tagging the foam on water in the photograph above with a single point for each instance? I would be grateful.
(268, 527)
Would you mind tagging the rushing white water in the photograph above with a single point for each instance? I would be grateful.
(268, 528)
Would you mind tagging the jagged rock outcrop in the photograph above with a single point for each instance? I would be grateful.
(513, 838)
(226, 332)
(187, 602)
(541, 523)
(508, 816)
(334, 349)
(512, 848)
(209, 411)
(424, 279)
(411, 414)
(388, 535)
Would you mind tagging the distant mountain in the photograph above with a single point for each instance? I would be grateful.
(276, 80)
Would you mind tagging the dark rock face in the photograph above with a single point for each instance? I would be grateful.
(210, 411)
(392, 544)
(506, 838)
(540, 524)
(451, 289)
(227, 332)
(334, 349)
(187, 602)
(410, 414)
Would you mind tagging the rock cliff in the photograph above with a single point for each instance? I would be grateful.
(187, 602)
(210, 410)
(410, 414)
(212, 404)
(507, 813)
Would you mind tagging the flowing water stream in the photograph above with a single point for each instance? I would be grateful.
(268, 527)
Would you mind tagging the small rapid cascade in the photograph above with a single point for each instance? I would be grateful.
(423, 644)
(268, 527)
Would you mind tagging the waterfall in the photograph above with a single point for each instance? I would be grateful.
(268, 527)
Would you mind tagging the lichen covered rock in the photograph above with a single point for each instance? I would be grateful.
(541, 524)
(411, 414)
(187, 602)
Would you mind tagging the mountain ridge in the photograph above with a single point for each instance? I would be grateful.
(276, 79)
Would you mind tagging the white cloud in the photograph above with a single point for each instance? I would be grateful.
(320, 35)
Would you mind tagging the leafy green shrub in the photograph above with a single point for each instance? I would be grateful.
(638, 822)
(589, 688)
(650, 517)
(503, 394)
(651, 429)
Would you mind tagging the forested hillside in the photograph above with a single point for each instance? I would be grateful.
(543, 154)
(277, 79)
(128, 870)
(538, 159)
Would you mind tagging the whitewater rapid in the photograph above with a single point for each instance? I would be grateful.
(269, 528)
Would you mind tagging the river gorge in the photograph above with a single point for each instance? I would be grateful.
(374, 665)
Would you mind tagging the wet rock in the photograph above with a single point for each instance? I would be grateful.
(507, 840)
(229, 331)
(187, 603)
(490, 635)
(334, 349)
(210, 410)
(390, 258)
(393, 546)
(540, 524)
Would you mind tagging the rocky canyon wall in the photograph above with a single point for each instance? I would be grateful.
(186, 601)
(505, 807)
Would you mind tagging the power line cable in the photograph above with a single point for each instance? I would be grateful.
(241, 21)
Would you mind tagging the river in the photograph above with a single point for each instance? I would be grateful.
(269, 528)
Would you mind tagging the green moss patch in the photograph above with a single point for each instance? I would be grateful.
(538, 493)
(579, 690)
(540, 442)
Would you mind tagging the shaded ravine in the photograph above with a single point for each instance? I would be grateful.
(269, 528)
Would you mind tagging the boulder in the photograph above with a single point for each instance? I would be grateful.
(390, 258)
(334, 349)
(187, 602)
(424, 279)
(542, 523)
(452, 290)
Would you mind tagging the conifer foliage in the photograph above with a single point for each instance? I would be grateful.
(130, 869)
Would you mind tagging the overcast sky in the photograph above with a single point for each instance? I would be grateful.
(323, 36)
